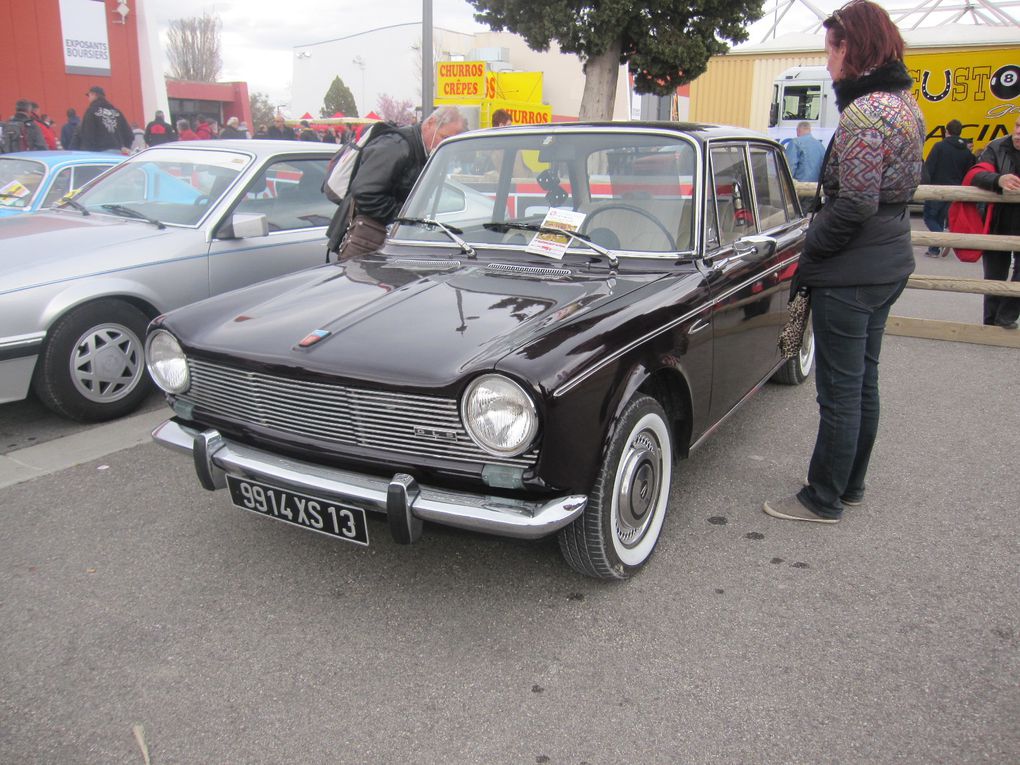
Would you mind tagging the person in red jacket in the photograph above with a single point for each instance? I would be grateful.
(203, 130)
(184, 131)
(48, 135)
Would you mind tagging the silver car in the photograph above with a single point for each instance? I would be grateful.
(172, 225)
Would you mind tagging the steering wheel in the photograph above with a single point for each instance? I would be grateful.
(629, 208)
(201, 199)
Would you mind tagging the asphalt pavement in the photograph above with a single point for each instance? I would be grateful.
(131, 597)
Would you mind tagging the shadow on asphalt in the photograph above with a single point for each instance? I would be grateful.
(27, 423)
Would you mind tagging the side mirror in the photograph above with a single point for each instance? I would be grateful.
(244, 226)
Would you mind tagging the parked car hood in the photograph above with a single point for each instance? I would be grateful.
(48, 246)
(413, 326)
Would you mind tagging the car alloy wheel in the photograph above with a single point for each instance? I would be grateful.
(107, 363)
(92, 367)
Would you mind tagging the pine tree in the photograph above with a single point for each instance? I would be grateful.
(665, 43)
(338, 99)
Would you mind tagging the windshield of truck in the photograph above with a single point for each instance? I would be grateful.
(168, 185)
(801, 102)
(627, 191)
(19, 180)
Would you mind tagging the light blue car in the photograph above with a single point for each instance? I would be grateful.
(33, 180)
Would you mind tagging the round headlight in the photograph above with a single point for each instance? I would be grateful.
(499, 415)
(166, 362)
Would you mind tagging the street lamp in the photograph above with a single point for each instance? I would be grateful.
(359, 62)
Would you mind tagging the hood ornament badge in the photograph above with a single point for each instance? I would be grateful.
(313, 337)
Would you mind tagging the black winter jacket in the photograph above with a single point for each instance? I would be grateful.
(861, 236)
(103, 128)
(1005, 158)
(390, 164)
(948, 161)
(12, 134)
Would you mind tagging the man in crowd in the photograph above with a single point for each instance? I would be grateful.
(159, 131)
(805, 153)
(231, 130)
(1003, 154)
(22, 133)
(947, 163)
(70, 128)
(307, 134)
(279, 130)
(103, 126)
(390, 164)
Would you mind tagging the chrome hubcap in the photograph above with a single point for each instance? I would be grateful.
(806, 355)
(106, 364)
(638, 489)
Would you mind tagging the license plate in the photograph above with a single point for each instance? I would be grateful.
(313, 513)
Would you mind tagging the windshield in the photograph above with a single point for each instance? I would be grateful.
(629, 192)
(168, 185)
(19, 180)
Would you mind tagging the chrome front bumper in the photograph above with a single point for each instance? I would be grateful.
(402, 499)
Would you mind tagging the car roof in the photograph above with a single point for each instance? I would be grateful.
(63, 157)
(257, 146)
(700, 131)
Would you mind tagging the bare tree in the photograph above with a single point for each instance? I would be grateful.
(193, 47)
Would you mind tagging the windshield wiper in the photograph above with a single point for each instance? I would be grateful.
(451, 231)
(133, 214)
(501, 227)
(76, 205)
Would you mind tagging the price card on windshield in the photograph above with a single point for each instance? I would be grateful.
(13, 191)
(553, 245)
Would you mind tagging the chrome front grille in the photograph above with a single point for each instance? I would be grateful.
(410, 426)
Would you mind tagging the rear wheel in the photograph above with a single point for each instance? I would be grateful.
(92, 367)
(620, 526)
(798, 369)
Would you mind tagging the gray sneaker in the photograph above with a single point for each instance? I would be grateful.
(791, 509)
(852, 501)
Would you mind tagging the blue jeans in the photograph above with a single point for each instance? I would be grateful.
(936, 215)
(848, 323)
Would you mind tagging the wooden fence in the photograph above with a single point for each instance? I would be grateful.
(935, 329)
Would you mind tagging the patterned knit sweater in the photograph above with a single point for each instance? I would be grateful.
(862, 234)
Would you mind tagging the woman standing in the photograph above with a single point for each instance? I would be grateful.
(857, 255)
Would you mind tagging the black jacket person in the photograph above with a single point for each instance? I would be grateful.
(103, 126)
(389, 167)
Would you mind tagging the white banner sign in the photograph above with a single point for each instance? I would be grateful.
(86, 46)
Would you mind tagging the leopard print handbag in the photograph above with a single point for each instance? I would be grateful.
(792, 335)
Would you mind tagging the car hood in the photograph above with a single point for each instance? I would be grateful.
(389, 321)
(47, 246)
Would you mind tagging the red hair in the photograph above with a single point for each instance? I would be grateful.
(872, 40)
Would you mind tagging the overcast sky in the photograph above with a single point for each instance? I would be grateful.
(258, 36)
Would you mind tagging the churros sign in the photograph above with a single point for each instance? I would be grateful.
(460, 79)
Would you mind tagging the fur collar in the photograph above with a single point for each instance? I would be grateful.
(891, 77)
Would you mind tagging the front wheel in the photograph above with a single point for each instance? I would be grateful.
(619, 528)
(92, 367)
(798, 369)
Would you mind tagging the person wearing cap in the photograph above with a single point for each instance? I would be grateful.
(159, 131)
(232, 130)
(103, 126)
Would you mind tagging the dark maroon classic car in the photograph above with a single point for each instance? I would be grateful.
(561, 313)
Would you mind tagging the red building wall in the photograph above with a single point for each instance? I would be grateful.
(33, 61)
